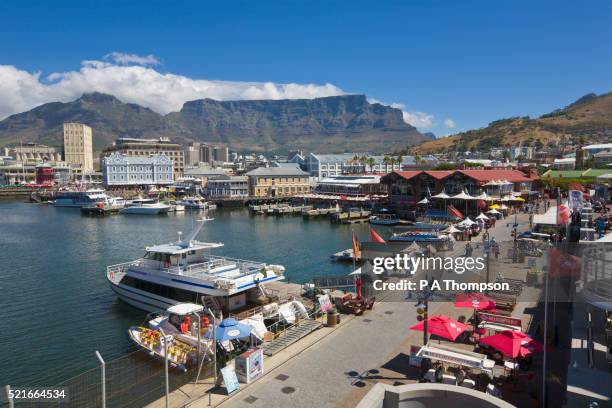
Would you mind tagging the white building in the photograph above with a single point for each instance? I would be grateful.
(593, 149)
(235, 187)
(330, 165)
(122, 170)
(78, 146)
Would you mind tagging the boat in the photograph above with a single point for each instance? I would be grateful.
(146, 207)
(186, 271)
(180, 355)
(174, 206)
(384, 217)
(77, 199)
(109, 205)
(418, 237)
(193, 203)
(343, 256)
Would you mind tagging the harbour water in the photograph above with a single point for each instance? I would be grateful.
(57, 308)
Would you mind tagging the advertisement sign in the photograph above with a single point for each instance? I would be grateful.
(249, 365)
(325, 303)
(575, 199)
(414, 360)
(230, 379)
(493, 318)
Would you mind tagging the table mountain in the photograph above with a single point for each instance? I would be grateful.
(331, 124)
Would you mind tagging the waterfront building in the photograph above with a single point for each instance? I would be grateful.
(121, 170)
(33, 152)
(602, 159)
(278, 182)
(45, 174)
(78, 146)
(565, 163)
(590, 150)
(231, 187)
(352, 185)
(134, 147)
(205, 173)
(406, 188)
(330, 165)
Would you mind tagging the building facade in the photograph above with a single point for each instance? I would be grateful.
(133, 147)
(33, 152)
(234, 187)
(209, 153)
(321, 166)
(278, 182)
(78, 146)
(121, 170)
(356, 186)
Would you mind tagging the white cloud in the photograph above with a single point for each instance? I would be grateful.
(163, 92)
(417, 119)
(122, 58)
(449, 123)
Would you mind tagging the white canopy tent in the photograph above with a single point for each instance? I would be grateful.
(423, 201)
(493, 211)
(442, 194)
(483, 217)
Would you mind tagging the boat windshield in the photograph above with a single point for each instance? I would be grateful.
(156, 256)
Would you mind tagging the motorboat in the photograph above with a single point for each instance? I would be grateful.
(180, 355)
(77, 199)
(175, 207)
(145, 207)
(108, 205)
(186, 271)
(384, 217)
(193, 203)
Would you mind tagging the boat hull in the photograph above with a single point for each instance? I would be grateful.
(384, 222)
(144, 210)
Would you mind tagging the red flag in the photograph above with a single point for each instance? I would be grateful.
(356, 250)
(375, 237)
(563, 214)
(455, 212)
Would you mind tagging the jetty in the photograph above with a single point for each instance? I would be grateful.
(352, 216)
(278, 209)
(316, 212)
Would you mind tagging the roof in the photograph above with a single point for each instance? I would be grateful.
(277, 171)
(119, 158)
(513, 176)
(351, 180)
(203, 171)
(598, 146)
(185, 308)
(177, 249)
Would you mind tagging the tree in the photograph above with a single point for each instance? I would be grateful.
(371, 162)
(386, 161)
(445, 166)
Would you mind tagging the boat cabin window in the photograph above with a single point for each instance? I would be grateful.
(156, 256)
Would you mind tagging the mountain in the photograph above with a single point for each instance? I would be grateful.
(589, 119)
(331, 124)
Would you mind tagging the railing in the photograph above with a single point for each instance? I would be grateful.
(116, 272)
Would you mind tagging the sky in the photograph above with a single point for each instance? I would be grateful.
(449, 65)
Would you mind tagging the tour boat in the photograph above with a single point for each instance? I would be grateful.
(146, 207)
(185, 271)
(194, 203)
(77, 199)
(384, 218)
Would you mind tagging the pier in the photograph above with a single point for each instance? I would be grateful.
(316, 212)
(352, 216)
(278, 209)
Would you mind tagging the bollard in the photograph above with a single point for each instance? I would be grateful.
(103, 366)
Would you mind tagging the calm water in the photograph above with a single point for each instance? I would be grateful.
(57, 308)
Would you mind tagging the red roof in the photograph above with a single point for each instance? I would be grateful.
(513, 176)
(408, 174)
(439, 174)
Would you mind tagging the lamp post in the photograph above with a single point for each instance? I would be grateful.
(487, 248)
(165, 340)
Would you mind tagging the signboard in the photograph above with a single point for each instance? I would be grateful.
(493, 318)
(575, 199)
(230, 379)
(414, 359)
(325, 303)
(249, 365)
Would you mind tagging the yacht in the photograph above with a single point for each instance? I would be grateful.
(145, 206)
(77, 199)
(186, 271)
(196, 203)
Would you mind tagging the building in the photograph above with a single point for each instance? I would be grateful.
(278, 182)
(78, 146)
(122, 170)
(33, 152)
(357, 185)
(590, 150)
(208, 153)
(602, 159)
(566, 163)
(406, 188)
(232, 187)
(133, 147)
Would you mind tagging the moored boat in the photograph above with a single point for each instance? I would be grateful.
(145, 207)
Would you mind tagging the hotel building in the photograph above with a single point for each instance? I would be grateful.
(78, 146)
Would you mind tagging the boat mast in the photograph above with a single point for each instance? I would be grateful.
(186, 242)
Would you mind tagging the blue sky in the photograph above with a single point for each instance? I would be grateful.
(468, 61)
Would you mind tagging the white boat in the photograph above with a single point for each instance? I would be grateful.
(175, 207)
(185, 271)
(146, 207)
(196, 203)
(180, 355)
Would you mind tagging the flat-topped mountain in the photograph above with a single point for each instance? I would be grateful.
(331, 124)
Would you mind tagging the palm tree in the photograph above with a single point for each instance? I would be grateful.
(386, 161)
(399, 161)
(371, 162)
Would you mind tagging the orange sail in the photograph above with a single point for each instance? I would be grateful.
(356, 250)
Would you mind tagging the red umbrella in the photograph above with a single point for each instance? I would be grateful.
(475, 300)
(512, 343)
(442, 326)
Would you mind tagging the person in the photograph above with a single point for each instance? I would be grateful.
(496, 250)
(185, 325)
(468, 250)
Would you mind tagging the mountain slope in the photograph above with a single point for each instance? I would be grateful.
(589, 117)
(332, 124)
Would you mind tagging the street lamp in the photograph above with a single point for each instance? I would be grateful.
(487, 248)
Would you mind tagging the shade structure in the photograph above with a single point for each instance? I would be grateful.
(493, 211)
(462, 196)
(521, 199)
(512, 343)
(452, 229)
(494, 206)
(475, 300)
(467, 222)
(413, 248)
(503, 207)
(442, 326)
(481, 216)
(230, 329)
(442, 194)
(423, 201)
(482, 196)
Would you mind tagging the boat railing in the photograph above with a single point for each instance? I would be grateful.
(116, 272)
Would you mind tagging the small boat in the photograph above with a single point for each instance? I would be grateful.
(193, 203)
(418, 237)
(174, 207)
(109, 205)
(343, 256)
(384, 217)
(180, 354)
(146, 207)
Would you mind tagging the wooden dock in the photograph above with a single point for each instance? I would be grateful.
(351, 217)
(278, 209)
(316, 212)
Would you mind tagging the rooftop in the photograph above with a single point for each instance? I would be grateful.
(177, 249)
(598, 146)
(277, 171)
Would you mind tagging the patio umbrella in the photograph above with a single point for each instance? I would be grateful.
(493, 211)
(494, 206)
(423, 201)
(475, 301)
(521, 199)
(482, 217)
(230, 329)
(503, 207)
(442, 326)
(512, 343)
(452, 229)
